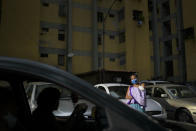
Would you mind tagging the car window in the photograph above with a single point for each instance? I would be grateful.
(68, 103)
(65, 93)
(29, 91)
(102, 88)
(158, 92)
(148, 84)
(181, 92)
(118, 91)
(149, 91)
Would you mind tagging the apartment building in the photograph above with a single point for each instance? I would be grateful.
(68, 34)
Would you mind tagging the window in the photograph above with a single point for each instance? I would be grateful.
(111, 15)
(137, 15)
(61, 60)
(158, 92)
(43, 55)
(150, 25)
(100, 16)
(61, 35)
(102, 88)
(122, 37)
(44, 29)
(150, 5)
(29, 91)
(112, 37)
(121, 14)
(112, 59)
(118, 91)
(62, 10)
(189, 33)
(45, 4)
(99, 39)
(169, 68)
(65, 93)
(149, 91)
(122, 61)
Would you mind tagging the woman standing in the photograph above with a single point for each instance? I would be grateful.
(135, 95)
(138, 97)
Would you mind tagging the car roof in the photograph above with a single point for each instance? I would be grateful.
(154, 81)
(165, 85)
(111, 84)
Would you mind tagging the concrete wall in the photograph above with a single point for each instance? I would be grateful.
(19, 29)
(190, 45)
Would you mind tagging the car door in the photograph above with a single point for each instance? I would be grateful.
(160, 95)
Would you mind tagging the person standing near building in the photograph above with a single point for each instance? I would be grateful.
(135, 96)
(143, 90)
(133, 80)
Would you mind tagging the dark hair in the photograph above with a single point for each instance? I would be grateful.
(133, 74)
(48, 98)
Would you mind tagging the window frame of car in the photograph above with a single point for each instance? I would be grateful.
(105, 90)
(168, 96)
(152, 88)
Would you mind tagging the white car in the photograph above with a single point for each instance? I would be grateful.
(118, 91)
(154, 82)
(66, 105)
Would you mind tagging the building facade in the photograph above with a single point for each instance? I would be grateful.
(69, 34)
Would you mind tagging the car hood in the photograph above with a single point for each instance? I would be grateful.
(151, 105)
(189, 103)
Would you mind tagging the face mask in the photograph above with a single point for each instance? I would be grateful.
(134, 81)
(141, 88)
(11, 120)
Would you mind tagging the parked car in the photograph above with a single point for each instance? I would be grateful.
(154, 82)
(66, 106)
(118, 91)
(178, 100)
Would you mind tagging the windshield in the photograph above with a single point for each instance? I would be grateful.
(181, 92)
(65, 93)
(118, 92)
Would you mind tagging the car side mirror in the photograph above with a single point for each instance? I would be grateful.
(164, 95)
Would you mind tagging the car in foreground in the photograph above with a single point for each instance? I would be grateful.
(112, 115)
(17, 72)
(178, 100)
(118, 91)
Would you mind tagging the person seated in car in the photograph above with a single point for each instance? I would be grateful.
(43, 118)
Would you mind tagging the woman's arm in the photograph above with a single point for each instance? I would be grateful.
(128, 96)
